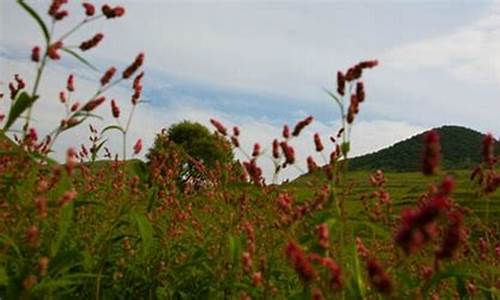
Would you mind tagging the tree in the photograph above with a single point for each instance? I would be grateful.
(189, 150)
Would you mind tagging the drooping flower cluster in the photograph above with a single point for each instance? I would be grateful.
(431, 153)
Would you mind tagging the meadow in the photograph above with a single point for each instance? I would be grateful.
(101, 225)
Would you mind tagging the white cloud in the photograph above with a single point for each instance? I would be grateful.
(471, 53)
(367, 135)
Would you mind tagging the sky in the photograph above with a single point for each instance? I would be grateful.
(261, 64)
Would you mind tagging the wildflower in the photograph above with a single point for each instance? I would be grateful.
(43, 264)
(335, 273)
(300, 261)
(70, 86)
(61, 15)
(488, 150)
(256, 279)
(35, 54)
(235, 141)
(301, 125)
(317, 142)
(67, 197)
(75, 106)
(254, 171)
(108, 75)
(432, 152)
(247, 261)
(32, 236)
(137, 88)
(276, 150)
(324, 235)
(130, 70)
(360, 91)
(93, 104)
(92, 42)
(378, 277)
(236, 131)
(286, 131)
(115, 110)
(53, 50)
(89, 9)
(453, 236)
(289, 153)
(256, 150)
(218, 125)
(115, 12)
(55, 7)
(311, 164)
(340, 83)
(71, 160)
(138, 147)
(492, 183)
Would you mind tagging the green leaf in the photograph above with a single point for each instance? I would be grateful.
(65, 221)
(37, 18)
(23, 102)
(145, 231)
(115, 127)
(81, 59)
(345, 148)
(234, 249)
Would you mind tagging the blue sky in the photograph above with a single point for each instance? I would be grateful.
(259, 64)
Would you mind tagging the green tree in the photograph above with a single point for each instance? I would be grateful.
(189, 150)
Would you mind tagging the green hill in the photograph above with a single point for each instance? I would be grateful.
(460, 148)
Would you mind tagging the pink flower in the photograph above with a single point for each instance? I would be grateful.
(138, 147)
(89, 9)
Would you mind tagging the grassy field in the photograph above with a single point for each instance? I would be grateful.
(103, 229)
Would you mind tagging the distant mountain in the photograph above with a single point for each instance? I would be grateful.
(460, 148)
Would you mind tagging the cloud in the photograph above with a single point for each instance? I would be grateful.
(148, 120)
(471, 53)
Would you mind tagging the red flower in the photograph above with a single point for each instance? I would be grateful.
(432, 153)
(55, 7)
(89, 9)
(35, 54)
(62, 97)
(106, 78)
(318, 143)
(218, 125)
(340, 83)
(91, 43)
(300, 262)
(138, 147)
(311, 164)
(93, 104)
(256, 150)
(286, 131)
(488, 150)
(115, 12)
(71, 83)
(115, 110)
(130, 70)
(378, 277)
(53, 51)
(360, 91)
(289, 153)
(276, 150)
(301, 125)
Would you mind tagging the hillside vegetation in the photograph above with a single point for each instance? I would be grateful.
(458, 146)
